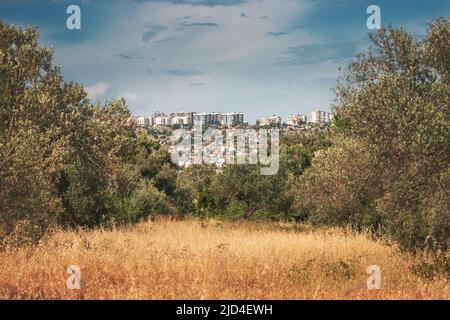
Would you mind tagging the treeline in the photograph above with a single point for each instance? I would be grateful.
(383, 165)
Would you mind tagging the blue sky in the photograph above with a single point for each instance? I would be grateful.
(261, 57)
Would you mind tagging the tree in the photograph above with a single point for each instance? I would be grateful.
(192, 193)
(62, 158)
(393, 100)
(243, 189)
(36, 105)
(341, 186)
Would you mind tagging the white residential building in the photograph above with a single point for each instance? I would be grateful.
(320, 117)
(296, 119)
(182, 118)
(216, 118)
(140, 121)
(162, 121)
(270, 121)
(231, 119)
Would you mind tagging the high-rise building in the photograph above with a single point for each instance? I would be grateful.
(270, 121)
(296, 119)
(162, 121)
(201, 118)
(231, 119)
(140, 121)
(216, 118)
(320, 117)
(182, 118)
(150, 120)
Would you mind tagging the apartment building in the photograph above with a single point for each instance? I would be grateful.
(320, 117)
(270, 121)
(162, 121)
(184, 118)
(231, 119)
(216, 118)
(296, 119)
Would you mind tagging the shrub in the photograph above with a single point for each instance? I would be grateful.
(341, 185)
(236, 210)
(149, 201)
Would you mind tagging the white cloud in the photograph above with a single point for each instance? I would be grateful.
(232, 53)
(130, 96)
(97, 90)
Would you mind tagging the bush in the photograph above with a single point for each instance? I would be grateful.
(149, 201)
(436, 268)
(416, 212)
(28, 204)
(341, 185)
(236, 210)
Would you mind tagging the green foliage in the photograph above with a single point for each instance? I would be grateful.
(148, 201)
(341, 126)
(436, 268)
(416, 211)
(236, 210)
(63, 160)
(190, 183)
(204, 203)
(245, 185)
(389, 166)
(334, 192)
(35, 107)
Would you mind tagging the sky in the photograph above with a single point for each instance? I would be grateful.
(260, 57)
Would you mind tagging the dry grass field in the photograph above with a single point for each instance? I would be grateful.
(214, 260)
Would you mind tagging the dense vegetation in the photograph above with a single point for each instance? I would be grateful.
(383, 165)
(389, 166)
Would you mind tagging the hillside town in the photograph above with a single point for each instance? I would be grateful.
(161, 126)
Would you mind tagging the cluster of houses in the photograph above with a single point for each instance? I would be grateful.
(220, 147)
(158, 121)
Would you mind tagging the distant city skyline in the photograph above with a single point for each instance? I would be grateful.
(187, 118)
(260, 57)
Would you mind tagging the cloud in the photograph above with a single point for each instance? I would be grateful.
(246, 16)
(201, 24)
(130, 96)
(282, 33)
(215, 43)
(242, 46)
(131, 56)
(163, 40)
(277, 34)
(153, 32)
(306, 54)
(209, 3)
(187, 22)
(183, 72)
(97, 90)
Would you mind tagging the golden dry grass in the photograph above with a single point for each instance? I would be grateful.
(214, 260)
